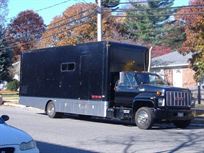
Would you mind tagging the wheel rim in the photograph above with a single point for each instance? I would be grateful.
(50, 109)
(142, 117)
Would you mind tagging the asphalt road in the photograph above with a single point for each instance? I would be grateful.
(74, 135)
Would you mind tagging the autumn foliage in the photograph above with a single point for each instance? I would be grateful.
(24, 31)
(160, 50)
(77, 24)
(194, 29)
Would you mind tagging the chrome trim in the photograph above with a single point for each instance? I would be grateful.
(178, 98)
(74, 106)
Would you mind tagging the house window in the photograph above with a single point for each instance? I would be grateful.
(67, 67)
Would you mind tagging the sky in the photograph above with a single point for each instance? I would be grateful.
(16, 6)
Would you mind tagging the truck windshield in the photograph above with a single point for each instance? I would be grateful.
(149, 78)
(132, 79)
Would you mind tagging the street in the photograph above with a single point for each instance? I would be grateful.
(72, 134)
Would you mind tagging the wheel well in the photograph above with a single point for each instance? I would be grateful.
(139, 104)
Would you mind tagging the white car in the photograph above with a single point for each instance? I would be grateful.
(13, 140)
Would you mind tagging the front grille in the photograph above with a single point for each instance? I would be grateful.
(178, 98)
(7, 150)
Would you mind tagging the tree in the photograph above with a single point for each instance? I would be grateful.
(160, 50)
(5, 58)
(3, 11)
(24, 31)
(149, 22)
(77, 25)
(194, 29)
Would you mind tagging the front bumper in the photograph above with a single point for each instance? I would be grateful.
(173, 114)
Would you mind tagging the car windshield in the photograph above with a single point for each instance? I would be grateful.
(149, 78)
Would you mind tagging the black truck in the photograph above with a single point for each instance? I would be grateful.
(102, 79)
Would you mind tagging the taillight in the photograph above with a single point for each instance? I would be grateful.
(96, 97)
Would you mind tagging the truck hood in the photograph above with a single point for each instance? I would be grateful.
(12, 136)
(154, 88)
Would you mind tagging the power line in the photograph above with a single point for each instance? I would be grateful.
(90, 15)
(85, 17)
(118, 16)
(54, 5)
(140, 2)
(170, 8)
(48, 7)
(180, 14)
(57, 26)
(15, 44)
(122, 10)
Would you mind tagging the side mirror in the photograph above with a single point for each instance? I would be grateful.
(5, 117)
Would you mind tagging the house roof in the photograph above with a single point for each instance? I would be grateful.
(173, 59)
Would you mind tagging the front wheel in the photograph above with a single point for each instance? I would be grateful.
(50, 110)
(144, 118)
(182, 124)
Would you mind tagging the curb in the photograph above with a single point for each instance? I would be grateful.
(198, 120)
(199, 112)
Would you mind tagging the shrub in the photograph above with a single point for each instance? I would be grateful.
(13, 85)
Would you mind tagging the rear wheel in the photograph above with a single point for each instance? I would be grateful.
(182, 124)
(50, 110)
(144, 118)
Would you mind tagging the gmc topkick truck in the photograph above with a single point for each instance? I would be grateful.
(102, 79)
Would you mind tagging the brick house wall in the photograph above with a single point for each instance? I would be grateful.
(174, 68)
(188, 80)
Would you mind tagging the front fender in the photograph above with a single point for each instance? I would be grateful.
(143, 102)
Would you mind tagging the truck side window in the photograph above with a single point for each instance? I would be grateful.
(67, 67)
(127, 80)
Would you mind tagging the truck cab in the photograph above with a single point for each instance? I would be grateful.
(146, 98)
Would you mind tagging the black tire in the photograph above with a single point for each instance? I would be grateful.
(144, 118)
(182, 124)
(50, 111)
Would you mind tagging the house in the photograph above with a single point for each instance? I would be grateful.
(174, 68)
(15, 70)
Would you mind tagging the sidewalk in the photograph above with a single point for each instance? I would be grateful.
(199, 116)
(198, 120)
(11, 103)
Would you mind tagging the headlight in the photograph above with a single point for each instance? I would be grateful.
(161, 102)
(160, 93)
(27, 145)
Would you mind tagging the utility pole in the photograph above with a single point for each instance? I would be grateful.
(99, 21)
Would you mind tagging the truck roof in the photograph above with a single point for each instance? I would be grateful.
(87, 44)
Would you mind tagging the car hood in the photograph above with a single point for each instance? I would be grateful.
(12, 136)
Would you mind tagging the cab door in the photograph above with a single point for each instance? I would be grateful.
(125, 90)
